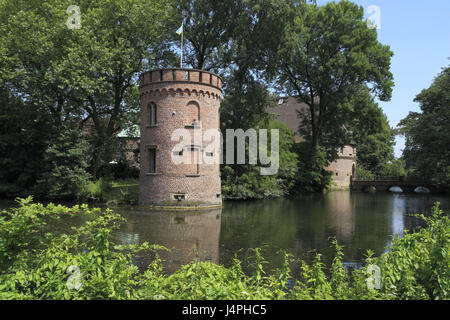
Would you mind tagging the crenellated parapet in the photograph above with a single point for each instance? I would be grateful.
(179, 76)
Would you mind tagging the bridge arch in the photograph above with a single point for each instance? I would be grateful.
(422, 189)
(369, 188)
(395, 189)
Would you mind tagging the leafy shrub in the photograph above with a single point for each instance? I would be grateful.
(97, 191)
(38, 265)
(311, 175)
(417, 265)
(363, 173)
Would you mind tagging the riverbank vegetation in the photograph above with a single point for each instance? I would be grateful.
(82, 262)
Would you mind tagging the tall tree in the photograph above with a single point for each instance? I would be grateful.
(427, 146)
(207, 32)
(372, 134)
(328, 52)
(86, 73)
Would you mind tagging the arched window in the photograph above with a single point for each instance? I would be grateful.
(152, 113)
(192, 114)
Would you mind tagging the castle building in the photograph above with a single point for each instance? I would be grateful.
(174, 99)
(343, 168)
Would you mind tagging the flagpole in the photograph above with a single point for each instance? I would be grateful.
(181, 61)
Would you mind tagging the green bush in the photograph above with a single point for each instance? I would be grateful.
(417, 265)
(363, 173)
(97, 191)
(40, 265)
(246, 181)
(311, 174)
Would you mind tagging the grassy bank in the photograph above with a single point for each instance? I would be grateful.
(83, 263)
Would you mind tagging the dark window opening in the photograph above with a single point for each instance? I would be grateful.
(179, 197)
(152, 114)
(210, 154)
(152, 160)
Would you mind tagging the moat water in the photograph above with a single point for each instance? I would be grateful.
(302, 226)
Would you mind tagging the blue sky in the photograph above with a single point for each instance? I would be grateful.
(418, 33)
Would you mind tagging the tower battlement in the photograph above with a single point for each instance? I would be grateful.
(180, 76)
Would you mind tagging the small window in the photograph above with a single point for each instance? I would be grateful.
(179, 197)
(152, 160)
(178, 153)
(336, 173)
(152, 114)
(209, 154)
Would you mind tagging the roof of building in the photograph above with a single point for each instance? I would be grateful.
(287, 112)
(130, 132)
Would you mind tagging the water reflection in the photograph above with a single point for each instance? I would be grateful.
(398, 223)
(186, 234)
(342, 216)
(359, 222)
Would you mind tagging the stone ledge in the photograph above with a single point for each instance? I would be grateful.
(181, 208)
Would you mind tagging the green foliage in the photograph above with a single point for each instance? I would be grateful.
(128, 197)
(371, 133)
(63, 173)
(246, 181)
(417, 265)
(311, 175)
(426, 152)
(98, 190)
(24, 133)
(363, 173)
(37, 156)
(37, 265)
(394, 168)
(87, 74)
(85, 264)
(328, 53)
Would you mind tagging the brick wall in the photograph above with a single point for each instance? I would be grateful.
(180, 98)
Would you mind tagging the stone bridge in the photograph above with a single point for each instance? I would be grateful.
(385, 183)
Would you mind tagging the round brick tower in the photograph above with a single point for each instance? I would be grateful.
(175, 171)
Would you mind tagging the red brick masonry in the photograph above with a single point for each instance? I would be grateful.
(182, 97)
